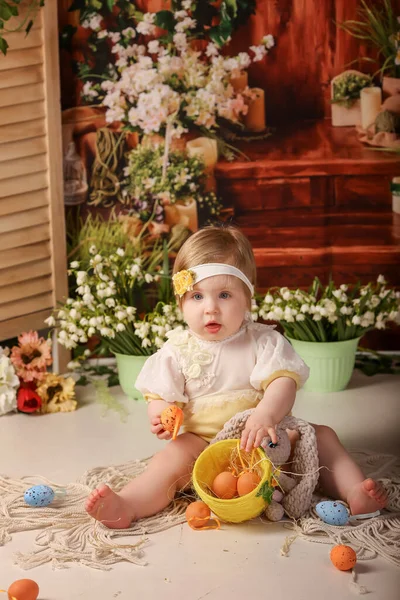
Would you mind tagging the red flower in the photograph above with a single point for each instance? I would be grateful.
(28, 401)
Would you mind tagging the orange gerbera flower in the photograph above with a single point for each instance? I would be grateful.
(32, 357)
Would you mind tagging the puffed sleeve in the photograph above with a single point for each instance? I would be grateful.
(161, 378)
(277, 358)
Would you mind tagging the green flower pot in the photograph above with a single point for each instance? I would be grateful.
(331, 363)
(129, 368)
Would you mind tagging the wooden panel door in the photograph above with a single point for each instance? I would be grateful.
(33, 274)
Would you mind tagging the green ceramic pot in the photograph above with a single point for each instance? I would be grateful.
(331, 363)
(128, 370)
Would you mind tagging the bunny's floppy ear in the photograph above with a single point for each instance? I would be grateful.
(306, 464)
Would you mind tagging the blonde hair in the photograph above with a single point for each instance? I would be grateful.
(224, 244)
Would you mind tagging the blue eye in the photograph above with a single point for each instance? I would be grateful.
(224, 295)
(197, 297)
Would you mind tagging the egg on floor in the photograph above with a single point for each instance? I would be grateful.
(343, 557)
(197, 514)
(39, 495)
(332, 513)
(23, 589)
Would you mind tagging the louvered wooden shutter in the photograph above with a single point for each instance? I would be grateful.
(32, 232)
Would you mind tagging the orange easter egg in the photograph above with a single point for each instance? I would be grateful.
(171, 419)
(225, 485)
(23, 589)
(247, 482)
(343, 557)
(197, 514)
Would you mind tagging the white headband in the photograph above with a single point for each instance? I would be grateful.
(185, 280)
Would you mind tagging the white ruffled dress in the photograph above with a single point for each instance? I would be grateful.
(213, 380)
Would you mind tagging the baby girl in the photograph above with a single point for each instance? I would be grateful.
(222, 364)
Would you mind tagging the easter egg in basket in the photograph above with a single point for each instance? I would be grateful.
(215, 459)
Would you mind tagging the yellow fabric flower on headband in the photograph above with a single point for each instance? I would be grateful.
(183, 282)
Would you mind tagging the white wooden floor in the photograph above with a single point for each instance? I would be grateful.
(237, 562)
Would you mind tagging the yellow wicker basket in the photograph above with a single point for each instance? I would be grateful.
(212, 461)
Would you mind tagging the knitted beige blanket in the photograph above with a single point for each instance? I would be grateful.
(68, 535)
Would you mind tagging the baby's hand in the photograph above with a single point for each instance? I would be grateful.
(256, 429)
(157, 428)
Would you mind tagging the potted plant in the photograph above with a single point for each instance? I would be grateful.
(378, 26)
(345, 97)
(121, 296)
(325, 324)
(172, 187)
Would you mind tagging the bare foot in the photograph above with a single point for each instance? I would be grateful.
(366, 497)
(109, 508)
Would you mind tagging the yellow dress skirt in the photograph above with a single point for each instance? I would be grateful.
(206, 415)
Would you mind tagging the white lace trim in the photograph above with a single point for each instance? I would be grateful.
(192, 357)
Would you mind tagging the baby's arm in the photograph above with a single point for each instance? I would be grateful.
(154, 410)
(276, 403)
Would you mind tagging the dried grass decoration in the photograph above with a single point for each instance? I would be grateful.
(107, 168)
(226, 456)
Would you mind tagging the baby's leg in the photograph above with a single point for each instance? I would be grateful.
(168, 471)
(343, 478)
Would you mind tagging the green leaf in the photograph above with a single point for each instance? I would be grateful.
(28, 27)
(5, 12)
(232, 6)
(110, 4)
(165, 20)
(3, 46)
(83, 380)
(266, 491)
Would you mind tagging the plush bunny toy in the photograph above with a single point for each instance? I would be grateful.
(305, 463)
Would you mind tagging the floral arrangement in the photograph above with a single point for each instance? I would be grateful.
(212, 19)
(167, 80)
(347, 88)
(25, 384)
(121, 298)
(331, 314)
(151, 188)
(379, 27)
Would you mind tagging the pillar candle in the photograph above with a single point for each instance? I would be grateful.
(254, 120)
(205, 148)
(182, 213)
(371, 100)
(239, 80)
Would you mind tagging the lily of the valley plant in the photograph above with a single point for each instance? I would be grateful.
(122, 298)
(331, 314)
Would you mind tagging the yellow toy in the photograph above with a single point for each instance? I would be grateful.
(217, 458)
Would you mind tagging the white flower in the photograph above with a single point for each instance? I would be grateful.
(268, 41)
(146, 26)
(381, 279)
(148, 278)
(88, 91)
(50, 321)
(356, 320)
(74, 264)
(73, 365)
(153, 47)
(212, 50)
(92, 249)
(92, 22)
(259, 51)
(120, 327)
(129, 33)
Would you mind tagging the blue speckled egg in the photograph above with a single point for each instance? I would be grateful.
(39, 495)
(333, 513)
